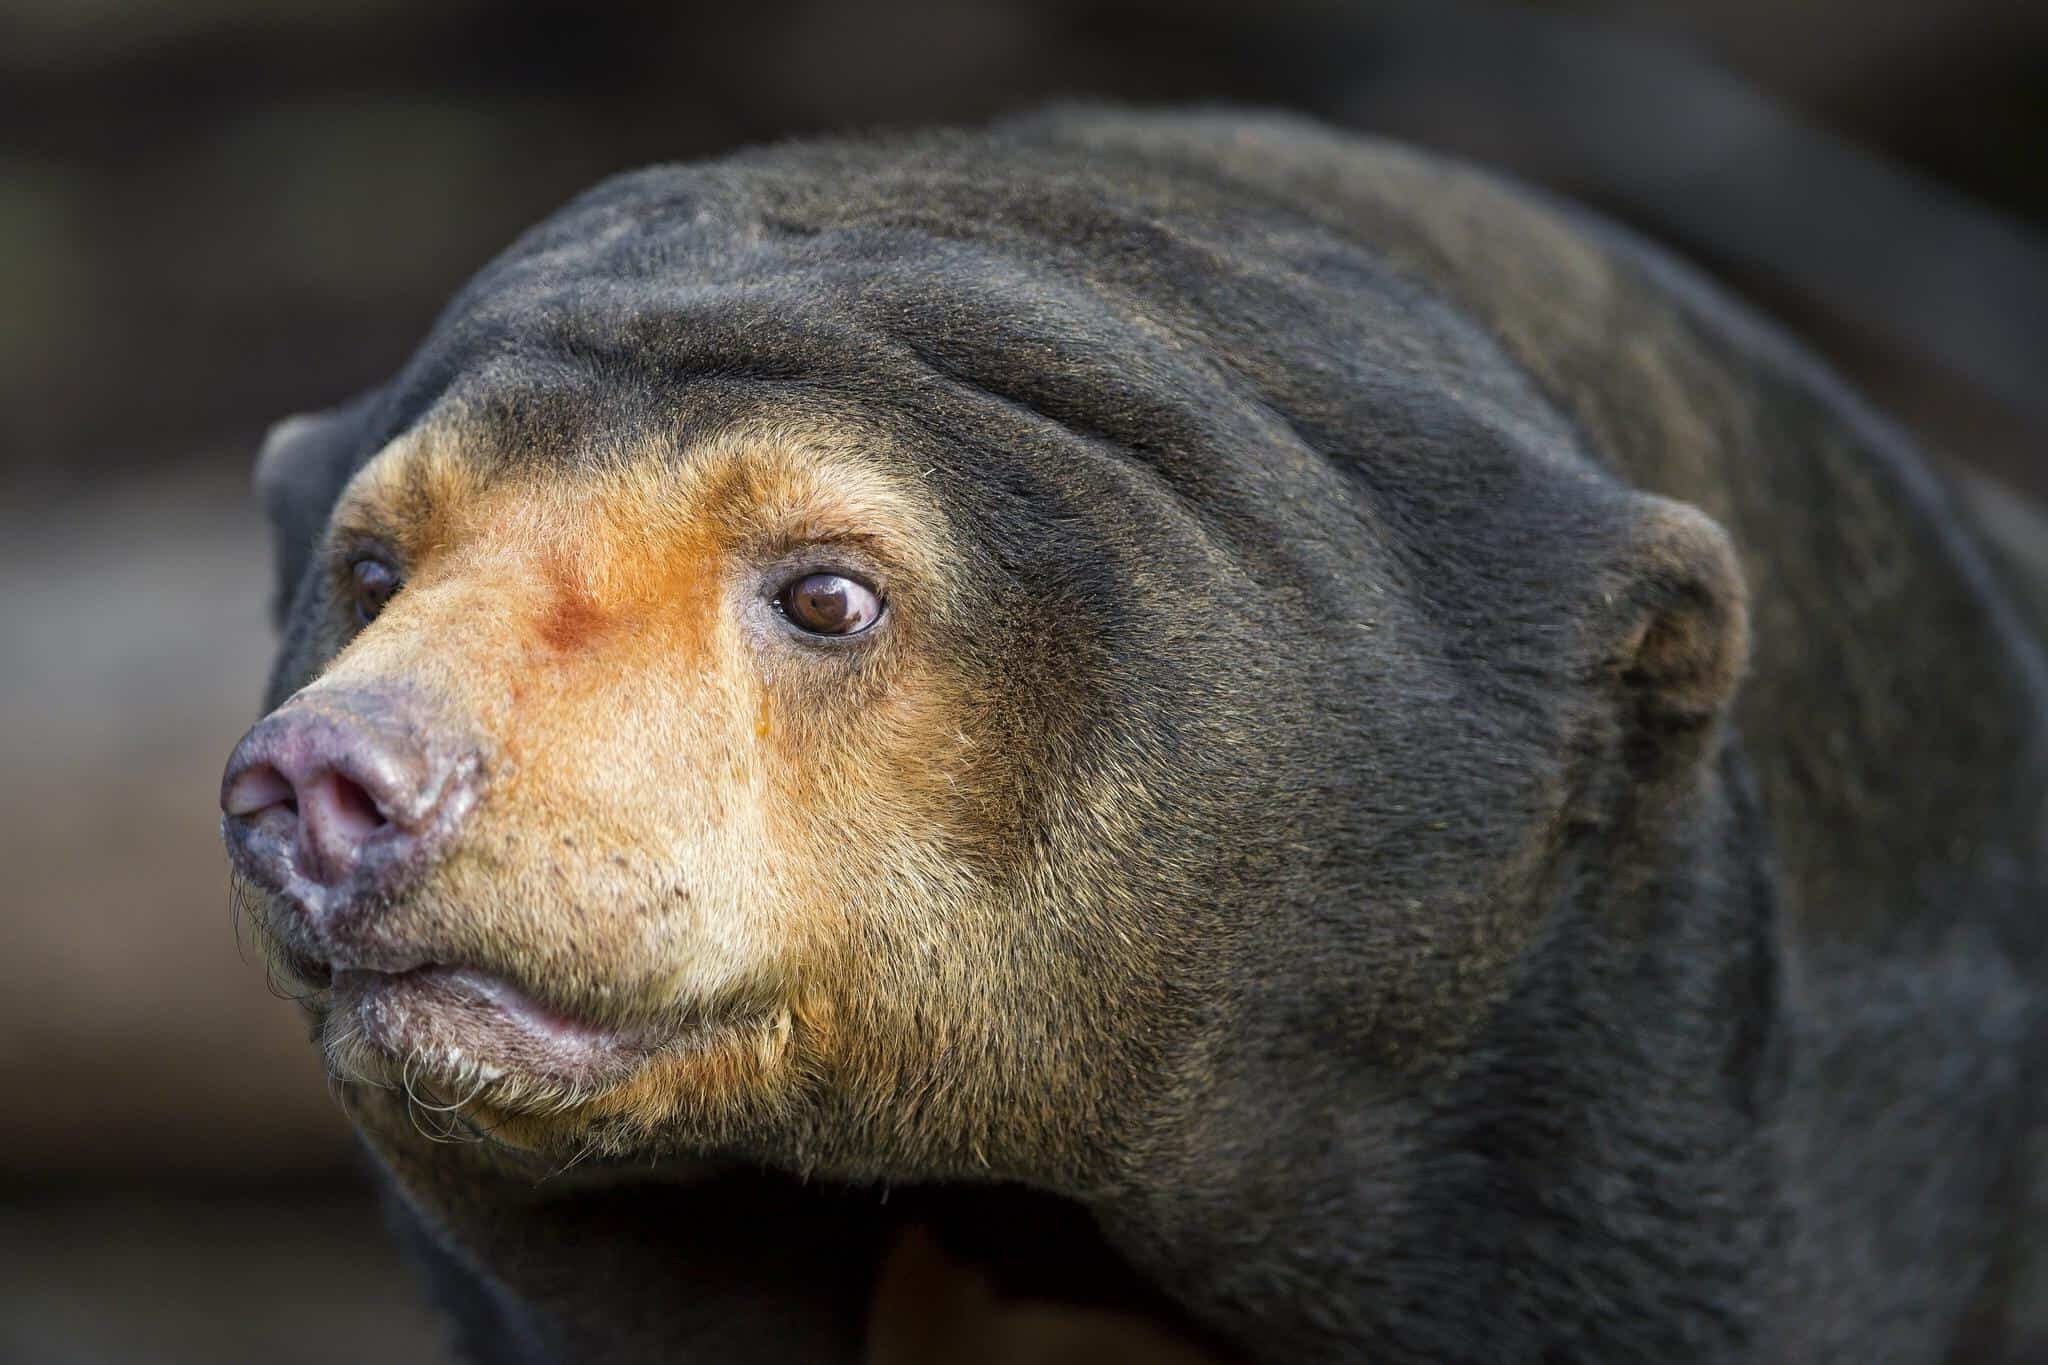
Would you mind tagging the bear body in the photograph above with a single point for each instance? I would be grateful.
(1424, 787)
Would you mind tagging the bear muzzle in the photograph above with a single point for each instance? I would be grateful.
(340, 801)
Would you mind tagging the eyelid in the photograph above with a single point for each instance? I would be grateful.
(853, 576)
(843, 557)
(348, 545)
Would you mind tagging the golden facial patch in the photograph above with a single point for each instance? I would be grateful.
(691, 817)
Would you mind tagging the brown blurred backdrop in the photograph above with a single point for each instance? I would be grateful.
(218, 212)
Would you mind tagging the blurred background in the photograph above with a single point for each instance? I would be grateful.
(219, 212)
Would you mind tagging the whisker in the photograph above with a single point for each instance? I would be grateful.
(584, 1151)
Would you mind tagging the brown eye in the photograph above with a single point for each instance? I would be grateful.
(371, 583)
(829, 604)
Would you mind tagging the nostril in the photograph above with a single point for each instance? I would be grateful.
(342, 809)
(258, 789)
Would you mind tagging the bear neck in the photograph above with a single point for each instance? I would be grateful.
(1617, 1126)
(1594, 1178)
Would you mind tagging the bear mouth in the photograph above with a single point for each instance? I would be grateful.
(461, 1027)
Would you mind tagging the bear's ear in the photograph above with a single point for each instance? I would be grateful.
(1674, 635)
(300, 471)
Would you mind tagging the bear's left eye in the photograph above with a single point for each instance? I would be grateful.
(372, 582)
(829, 604)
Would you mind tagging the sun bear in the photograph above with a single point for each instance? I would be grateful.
(1181, 736)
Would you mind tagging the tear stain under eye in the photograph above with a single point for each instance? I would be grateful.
(761, 714)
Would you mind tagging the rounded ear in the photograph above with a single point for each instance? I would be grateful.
(301, 469)
(1676, 635)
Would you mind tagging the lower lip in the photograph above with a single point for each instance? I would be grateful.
(456, 1017)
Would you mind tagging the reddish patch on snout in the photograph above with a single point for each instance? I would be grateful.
(572, 624)
(572, 621)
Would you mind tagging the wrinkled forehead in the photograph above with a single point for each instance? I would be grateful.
(466, 478)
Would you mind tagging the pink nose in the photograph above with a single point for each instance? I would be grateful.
(342, 794)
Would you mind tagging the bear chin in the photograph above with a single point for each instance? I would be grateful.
(483, 1058)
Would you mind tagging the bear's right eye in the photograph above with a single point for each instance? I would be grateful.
(372, 583)
(829, 604)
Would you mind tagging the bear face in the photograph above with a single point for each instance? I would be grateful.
(714, 853)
